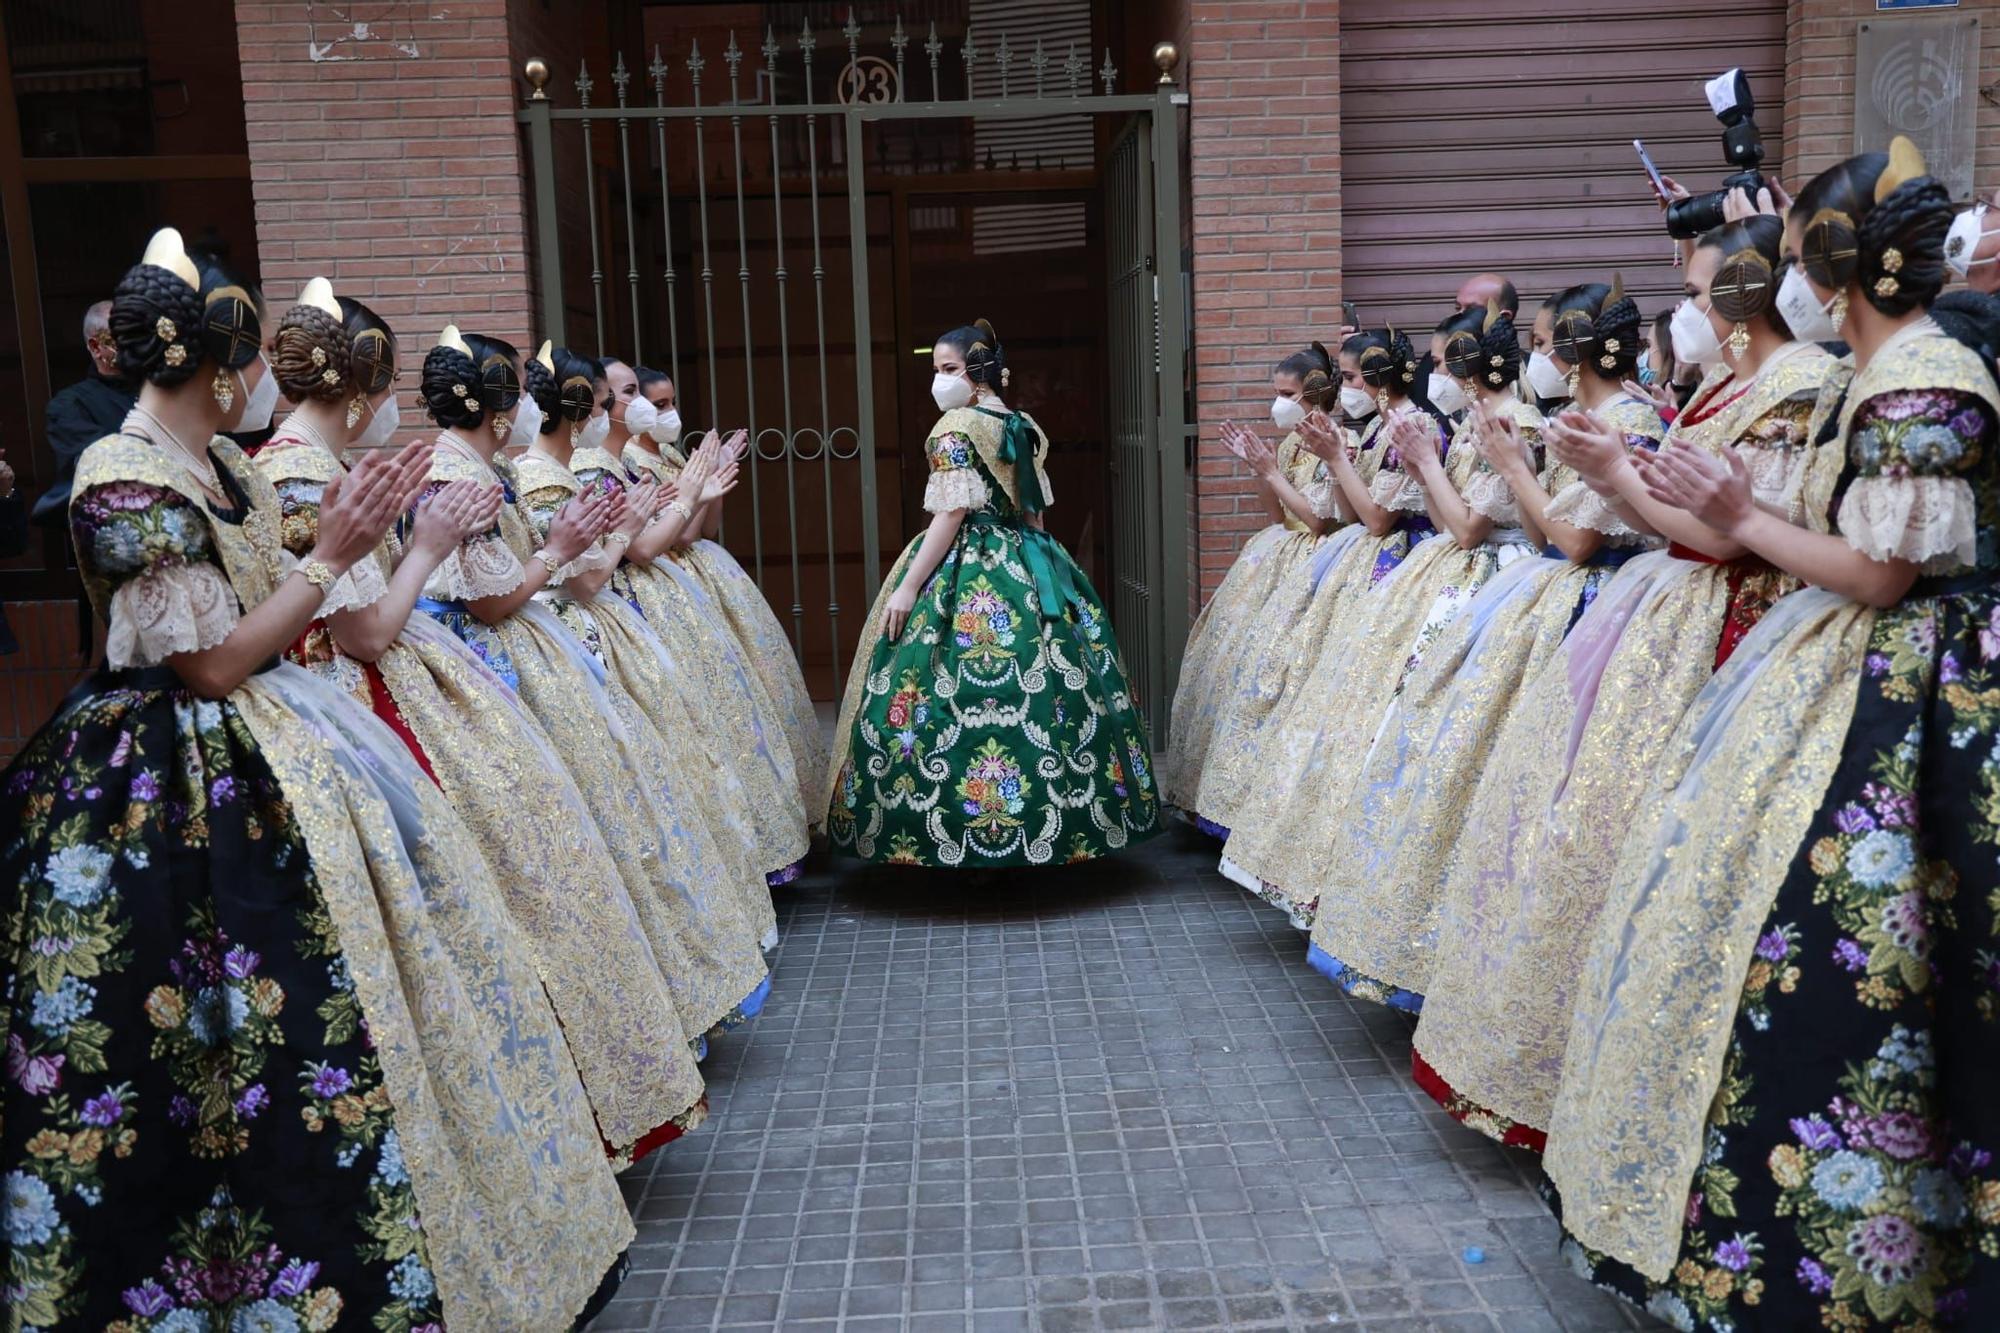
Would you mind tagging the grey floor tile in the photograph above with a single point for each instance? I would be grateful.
(1105, 1097)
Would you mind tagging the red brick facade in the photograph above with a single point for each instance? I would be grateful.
(397, 176)
(1263, 78)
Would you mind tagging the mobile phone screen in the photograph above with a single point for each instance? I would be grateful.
(1652, 172)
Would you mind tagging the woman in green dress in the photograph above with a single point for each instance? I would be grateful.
(987, 719)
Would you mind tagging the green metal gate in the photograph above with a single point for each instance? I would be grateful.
(722, 164)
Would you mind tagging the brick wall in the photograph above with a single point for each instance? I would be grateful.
(1263, 77)
(398, 177)
(1819, 85)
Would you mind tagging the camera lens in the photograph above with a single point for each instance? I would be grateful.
(1690, 217)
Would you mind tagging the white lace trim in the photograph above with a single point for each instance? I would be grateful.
(956, 488)
(1318, 496)
(1399, 491)
(1488, 495)
(363, 585)
(1926, 520)
(597, 556)
(1581, 507)
(480, 567)
(176, 609)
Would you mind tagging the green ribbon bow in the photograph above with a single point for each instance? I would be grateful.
(1054, 572)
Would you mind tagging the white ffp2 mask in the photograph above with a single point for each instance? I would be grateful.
(1357, 403)
(1694, 335)
(950, 392)
(1804, 312)
(1445, 395)
(1546, 378)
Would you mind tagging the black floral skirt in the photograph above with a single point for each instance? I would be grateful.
(196, 1133)
(1849, 1178)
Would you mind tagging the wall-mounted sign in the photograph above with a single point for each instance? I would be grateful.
(1920, 77)
(1916, 4)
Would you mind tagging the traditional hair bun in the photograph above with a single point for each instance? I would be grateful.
(449, 386)
(1499, 361)
(1900, 246)
(156, 320)
(312, 356)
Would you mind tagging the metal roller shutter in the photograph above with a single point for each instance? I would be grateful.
(1473, 138)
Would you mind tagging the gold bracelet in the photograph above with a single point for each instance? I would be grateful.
(618, 539)
(681, 507)
(548, 562)
(320, 574)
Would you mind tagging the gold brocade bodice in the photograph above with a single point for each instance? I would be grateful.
(252, 554)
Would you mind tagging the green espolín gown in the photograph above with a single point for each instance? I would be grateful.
(998, 730)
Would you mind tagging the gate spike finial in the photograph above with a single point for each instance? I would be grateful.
(1073, 68)
(770, 49)
(620, 76)
(1109, 73)
(658, 69)
(806, 39)
(898, 40)
(732, 55)
(584, 82)
(1038, 62)
(852, 32)
(1004, 57)
(969, 53)
(695, 62)
(934, 47)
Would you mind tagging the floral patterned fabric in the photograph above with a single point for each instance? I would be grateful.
(998, 729)
(1845, 1177)
(262, 1009)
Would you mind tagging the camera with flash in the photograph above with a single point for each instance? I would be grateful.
(1742, 146)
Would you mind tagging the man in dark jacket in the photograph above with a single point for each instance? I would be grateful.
(83, 414)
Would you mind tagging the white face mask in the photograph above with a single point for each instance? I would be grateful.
(527, 420)
(595, 432)
(258, 403)
(1357, 403)
(1803, 311)
(1287, 413)
(1968, 229)
(381, 426)
(1545, 377)
(1445, 395)
(950, 392)
(668, 428)
(1694, 335)
(640, 414)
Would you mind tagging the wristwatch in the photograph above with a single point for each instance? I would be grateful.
(549, 562)
(320, 574)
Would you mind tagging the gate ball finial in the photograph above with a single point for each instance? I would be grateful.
(1165, 56)
(537, 71)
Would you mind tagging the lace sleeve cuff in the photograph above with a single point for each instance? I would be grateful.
(956, 488)
(363, 585)
(1319, 496)
(1581, 507)
(1397, 490)
(597, 556)
(1488, 495)
(1926, 520)
(174, 609)
(480, 567)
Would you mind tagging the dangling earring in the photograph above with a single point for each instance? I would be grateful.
(1739, 341)
(223, 390)
(1839, 309)
(354, 406)
(1575, 377)
(575, 433)
(1382, 401)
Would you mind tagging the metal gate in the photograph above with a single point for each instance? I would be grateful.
(726, 225)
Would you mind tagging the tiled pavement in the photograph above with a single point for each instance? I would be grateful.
(1109, 1097)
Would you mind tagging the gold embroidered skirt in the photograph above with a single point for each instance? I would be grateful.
(738, 725)
(1214, 646)
(521, 1214)
(505, 778)
(1377, 921)
(1541, 839)
(764, 644)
